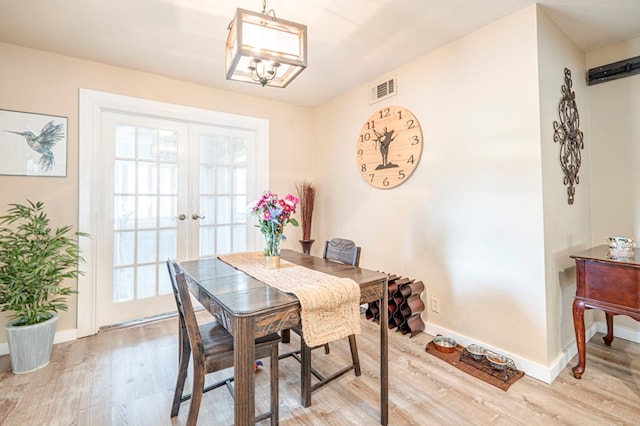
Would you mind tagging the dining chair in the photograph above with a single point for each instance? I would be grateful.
(212, 347)
(342, 251)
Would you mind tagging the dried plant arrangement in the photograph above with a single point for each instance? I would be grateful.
(307, 194)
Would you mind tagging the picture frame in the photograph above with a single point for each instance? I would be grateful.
(33, 144)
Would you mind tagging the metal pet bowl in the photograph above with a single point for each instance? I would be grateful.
(444, 344)
(477, 352)
(497, 361)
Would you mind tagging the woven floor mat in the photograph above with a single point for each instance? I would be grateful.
(481, 370)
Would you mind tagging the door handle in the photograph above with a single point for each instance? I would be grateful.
(196, 216)
(181, 216)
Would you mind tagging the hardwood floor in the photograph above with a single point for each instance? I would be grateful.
(126, 377)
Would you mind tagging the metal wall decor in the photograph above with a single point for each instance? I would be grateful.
(567, 132)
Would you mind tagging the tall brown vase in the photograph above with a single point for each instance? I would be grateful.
(306, 245)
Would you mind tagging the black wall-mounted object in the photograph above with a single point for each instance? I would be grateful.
(614, 71)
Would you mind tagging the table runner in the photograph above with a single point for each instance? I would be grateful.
(330, 306)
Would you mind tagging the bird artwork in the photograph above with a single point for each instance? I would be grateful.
(43, 143)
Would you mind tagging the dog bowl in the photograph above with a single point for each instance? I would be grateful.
(477, 352)
(498, 362)
(444, 344)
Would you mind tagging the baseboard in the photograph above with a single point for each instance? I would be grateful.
(60, 337)
(546, 374)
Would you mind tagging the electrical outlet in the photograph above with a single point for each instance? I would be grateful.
(435, 304)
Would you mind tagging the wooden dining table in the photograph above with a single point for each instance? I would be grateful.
(249, 308)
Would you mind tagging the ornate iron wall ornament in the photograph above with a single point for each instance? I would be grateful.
(567, 132)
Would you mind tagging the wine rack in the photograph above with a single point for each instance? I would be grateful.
(405, 306)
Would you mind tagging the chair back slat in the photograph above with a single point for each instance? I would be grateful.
(342, 250)
(173, 269)
(185, 309)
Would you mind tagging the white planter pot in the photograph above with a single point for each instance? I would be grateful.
(30, 345)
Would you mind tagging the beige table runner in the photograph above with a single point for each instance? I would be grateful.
(330, 306)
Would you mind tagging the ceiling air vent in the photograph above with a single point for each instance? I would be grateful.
(383, 90)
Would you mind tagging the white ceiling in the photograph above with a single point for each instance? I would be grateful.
(350, 41)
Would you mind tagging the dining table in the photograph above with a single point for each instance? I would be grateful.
(249, 308)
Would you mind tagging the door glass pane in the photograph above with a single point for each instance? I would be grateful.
(222, 151)
(123, 248)
(168, 178)
(223, 210)
(206, 179)
(123, 284)
(167, 244)
(147, 212)
(125, 177)
(124, 215)
(167, 211)
(125, 143)
(147, 178)
(147, 244)
(147, 139)
(223, 180)
(146, 281)
(223, 242)
(207, 246)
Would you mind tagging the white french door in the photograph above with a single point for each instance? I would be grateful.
(169, 184)
(144, 191)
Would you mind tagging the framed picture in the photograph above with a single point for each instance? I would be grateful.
(33, 144)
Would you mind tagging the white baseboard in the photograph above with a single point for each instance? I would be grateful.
(61, 336)
(546, 374)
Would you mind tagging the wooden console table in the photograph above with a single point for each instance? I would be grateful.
(611, 285)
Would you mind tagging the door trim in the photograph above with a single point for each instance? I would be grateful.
(91, 105)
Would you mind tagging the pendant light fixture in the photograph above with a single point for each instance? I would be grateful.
(265, 50)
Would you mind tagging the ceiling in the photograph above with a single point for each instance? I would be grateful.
(351, 42)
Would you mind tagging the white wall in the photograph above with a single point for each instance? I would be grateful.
(614, 110)
(469, 222)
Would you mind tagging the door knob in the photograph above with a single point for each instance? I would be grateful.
(196, 216)
(181, 216)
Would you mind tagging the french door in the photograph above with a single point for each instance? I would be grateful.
(168, 188)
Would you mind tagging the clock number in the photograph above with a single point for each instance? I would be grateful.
(401, 174)
(360, 152)
(400, 114)
(371, 125)
(384, 113)
(363, 168)
(415, 139)
(385, 182)
(410, 159)
(411, 124)
(365, 137)
(372, 175)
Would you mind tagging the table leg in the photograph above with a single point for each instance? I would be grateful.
(305, 374)
(578, 325)
(244, 354)
(384, 355)
(609, 337)
(285, 335)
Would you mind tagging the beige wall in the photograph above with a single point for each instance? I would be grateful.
(614, 109)
(566, 227)
(469, 221)
(40, 82)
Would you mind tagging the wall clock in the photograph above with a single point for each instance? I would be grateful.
(389, 147)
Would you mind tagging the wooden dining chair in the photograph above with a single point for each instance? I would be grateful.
(212, 348)
(343, 251)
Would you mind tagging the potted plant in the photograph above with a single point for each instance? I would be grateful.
(307, 194)
(35, 260)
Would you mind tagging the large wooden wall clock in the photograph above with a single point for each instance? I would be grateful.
(389, 147)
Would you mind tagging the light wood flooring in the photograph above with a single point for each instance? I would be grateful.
(126, 377)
